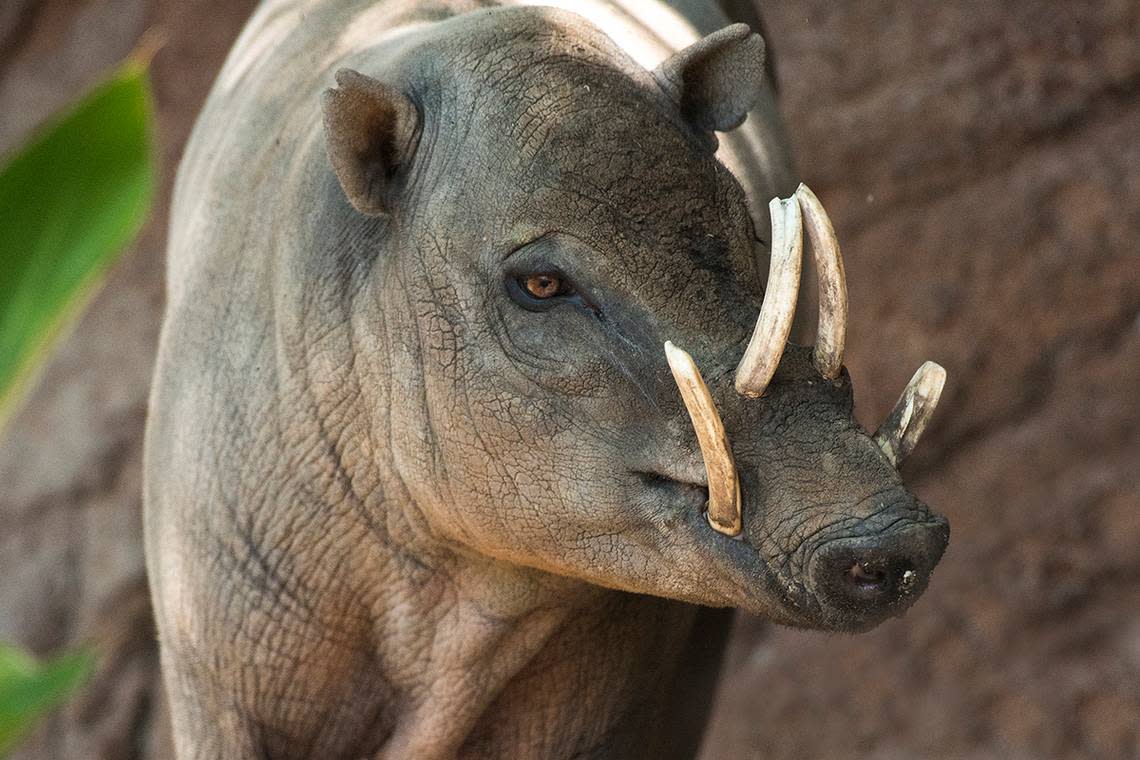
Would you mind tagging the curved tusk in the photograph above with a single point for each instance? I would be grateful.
(775, 320)
(832, 331)
(724, 486)
(900, 431)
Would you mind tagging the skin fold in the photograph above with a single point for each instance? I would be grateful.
(397, 508)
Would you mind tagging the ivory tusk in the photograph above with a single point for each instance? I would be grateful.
(900, 431)
(832, 331)
(724, 486)
(775, 321)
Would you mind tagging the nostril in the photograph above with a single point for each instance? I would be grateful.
(866, 578)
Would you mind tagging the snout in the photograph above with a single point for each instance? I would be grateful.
(861, 580)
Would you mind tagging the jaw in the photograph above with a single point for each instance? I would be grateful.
(700, 566)
(711, 569)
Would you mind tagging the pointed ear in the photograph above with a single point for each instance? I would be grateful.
(371, 130)
(716, 80)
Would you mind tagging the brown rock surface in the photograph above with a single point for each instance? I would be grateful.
(980, 161)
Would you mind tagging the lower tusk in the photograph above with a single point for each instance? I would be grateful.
(832, 332)
(775, 321)
(724, 486)
(899, 433)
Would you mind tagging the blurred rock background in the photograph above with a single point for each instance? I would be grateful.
(981, 162)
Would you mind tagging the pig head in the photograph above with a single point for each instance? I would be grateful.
(543, 222)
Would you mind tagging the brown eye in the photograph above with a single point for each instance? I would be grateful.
(543, 285)
(542, 290)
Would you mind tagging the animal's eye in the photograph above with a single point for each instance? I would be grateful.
(542, 290)
(544, 285)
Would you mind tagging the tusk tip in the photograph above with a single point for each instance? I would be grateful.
(746, 390)
(679, 359)
(805, 192)
(899, 433)
(732, 529)
(929, 380)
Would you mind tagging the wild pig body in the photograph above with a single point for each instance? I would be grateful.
(399, 502)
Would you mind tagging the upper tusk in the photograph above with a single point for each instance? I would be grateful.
(832, 331)
(775, 320)
(900, 431)
(724, 486)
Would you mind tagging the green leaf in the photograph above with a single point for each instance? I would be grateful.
(70, 201)
(28, 689)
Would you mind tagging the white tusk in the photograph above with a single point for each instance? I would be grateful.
(900, 431)
(724, 486)
(832, 331)
(775, 320)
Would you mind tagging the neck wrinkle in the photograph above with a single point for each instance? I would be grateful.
(509, 662)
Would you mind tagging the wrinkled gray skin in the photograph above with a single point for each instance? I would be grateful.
(391, 512)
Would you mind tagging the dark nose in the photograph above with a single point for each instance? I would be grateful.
(866, 578)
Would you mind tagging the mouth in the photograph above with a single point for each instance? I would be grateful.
(680, 494)
(852, 582)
